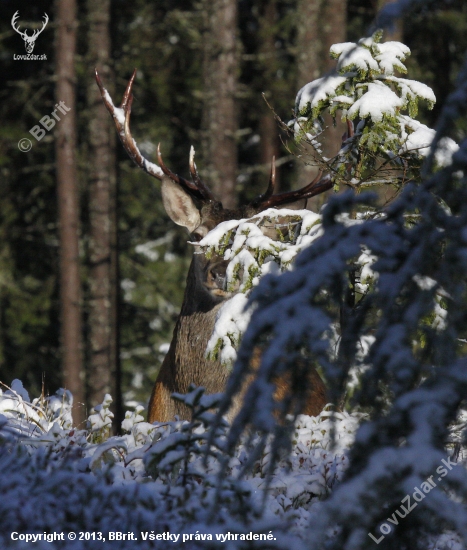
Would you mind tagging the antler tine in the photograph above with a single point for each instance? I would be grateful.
(272, 181)
(197, 180)
(261, 199)
(316, 187)
(16, 27)
(37, 32)
(199, 192)
(121, 118)
(128, 94)
(349, 133)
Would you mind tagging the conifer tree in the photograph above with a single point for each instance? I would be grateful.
(404, 334)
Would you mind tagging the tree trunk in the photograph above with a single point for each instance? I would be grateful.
(68, 208)
(334, 15)
(395, 33)
(220, 119)
(104, 371)
(268, 128)
(322, 23)
(308, 41)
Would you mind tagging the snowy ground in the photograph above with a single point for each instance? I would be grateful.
(154, 480)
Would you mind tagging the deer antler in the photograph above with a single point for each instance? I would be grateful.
(121, 116)
(195, 175)
(14, 19)
(24, 34)
(197, 188)
(36, 33)
(269, 200)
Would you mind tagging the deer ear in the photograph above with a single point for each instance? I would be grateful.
(179, 205)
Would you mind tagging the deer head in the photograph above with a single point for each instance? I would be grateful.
(192, 205)
(29, 41)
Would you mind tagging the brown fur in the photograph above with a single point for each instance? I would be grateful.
(185, 362)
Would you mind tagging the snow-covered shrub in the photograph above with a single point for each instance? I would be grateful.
(414, 379)
(157, 478)
(386, 144)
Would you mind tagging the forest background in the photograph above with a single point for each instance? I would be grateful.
(202, 69)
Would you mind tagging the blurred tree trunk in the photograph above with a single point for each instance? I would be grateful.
(220, 119)
(308, 41)
(268, 129)
(397, 32)
(104, 366)
(321, 23)
(68, 208)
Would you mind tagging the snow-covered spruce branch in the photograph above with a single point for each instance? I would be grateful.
(265, 243)
(382, 107)
(415, 380)
(387, 145)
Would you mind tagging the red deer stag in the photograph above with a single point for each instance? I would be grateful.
(192, 205)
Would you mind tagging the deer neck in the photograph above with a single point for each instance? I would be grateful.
(197, 301)
(187, 354)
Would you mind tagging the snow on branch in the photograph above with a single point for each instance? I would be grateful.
(155, 479)
(414, 376)
(386, 143)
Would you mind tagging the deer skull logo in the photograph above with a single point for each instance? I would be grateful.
(29, 41)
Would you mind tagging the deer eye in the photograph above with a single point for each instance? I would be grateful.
(196, 237)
